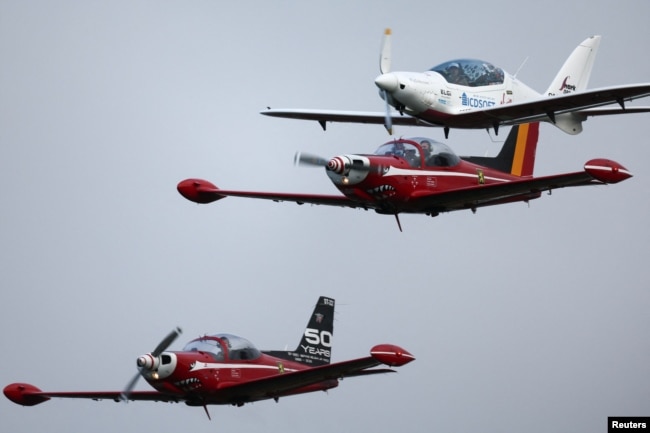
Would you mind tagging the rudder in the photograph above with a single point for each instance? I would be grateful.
(315, 346)
(576, 71)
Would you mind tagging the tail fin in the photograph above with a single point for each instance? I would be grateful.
(517, 156)
(574, 74)
(315, 347)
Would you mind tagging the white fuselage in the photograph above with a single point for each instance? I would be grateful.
(429, 96)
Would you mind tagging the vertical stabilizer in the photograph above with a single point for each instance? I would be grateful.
(315, 346)
(574, 74)
(517, 156)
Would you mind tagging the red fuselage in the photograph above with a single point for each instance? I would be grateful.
(202, 377)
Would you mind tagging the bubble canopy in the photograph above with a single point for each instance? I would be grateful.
(470, 72)
(420, 151)
(224, 346)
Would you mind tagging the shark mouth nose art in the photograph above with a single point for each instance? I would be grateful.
(383, 191)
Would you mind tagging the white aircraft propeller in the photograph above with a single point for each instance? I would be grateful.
(384, 61)
(384, 68)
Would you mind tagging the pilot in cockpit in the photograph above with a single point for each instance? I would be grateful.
(412, 157)
(398, 149)
(455, 75)
(426, 148)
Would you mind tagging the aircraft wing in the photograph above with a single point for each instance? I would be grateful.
(29, 395)
(582, 104)
(486, 195)
(608, 111)
(548, 107)
(202, 191)
(275, 386)
(331, 200)
(284, 384)
(323, 116)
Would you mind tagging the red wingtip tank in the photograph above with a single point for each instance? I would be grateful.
(24, 394)
(606, 170)
(391, 355)
(199, 191)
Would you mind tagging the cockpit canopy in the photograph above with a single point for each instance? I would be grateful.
(224, 346)
(470, 72)
(420, 152)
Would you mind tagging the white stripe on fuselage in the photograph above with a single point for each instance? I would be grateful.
(394, 171)
(207, 365)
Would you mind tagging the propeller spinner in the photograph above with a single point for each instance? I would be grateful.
(338, 164)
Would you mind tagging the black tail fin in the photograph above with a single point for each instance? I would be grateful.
(517, 156)
(315, 347)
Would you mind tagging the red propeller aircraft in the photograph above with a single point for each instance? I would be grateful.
(420, 175)
(226, 369)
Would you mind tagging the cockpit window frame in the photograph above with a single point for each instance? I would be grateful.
(224, 347)
(208, 345)
(471, 73)
(440, 155)
(407, 150)
(238, 348)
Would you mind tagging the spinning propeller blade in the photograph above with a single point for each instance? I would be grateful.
(307, 159)
(162, 346)
(384, 60)
(129, 387)
(388, 120)
(384, 68)
(167, 341)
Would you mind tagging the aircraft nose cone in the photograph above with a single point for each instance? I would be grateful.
(147, 362)
(387, 82)
(339, 165)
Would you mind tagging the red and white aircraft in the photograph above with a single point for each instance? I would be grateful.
(474, 94)
(420, 175)
(226, 369)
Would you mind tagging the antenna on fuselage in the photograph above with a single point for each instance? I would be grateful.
(520, 67)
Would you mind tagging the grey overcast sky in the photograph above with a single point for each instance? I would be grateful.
(522, 317)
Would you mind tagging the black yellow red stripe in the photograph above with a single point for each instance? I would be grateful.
(524, 158)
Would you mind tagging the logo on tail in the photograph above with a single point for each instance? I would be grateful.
(567, 88)
(315, 347)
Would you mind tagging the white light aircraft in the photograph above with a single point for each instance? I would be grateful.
(474, 94)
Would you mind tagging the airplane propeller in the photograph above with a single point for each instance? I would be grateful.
(385, 59)
(162, 346)
(384, 68)
(307, 159)
(388, 121)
